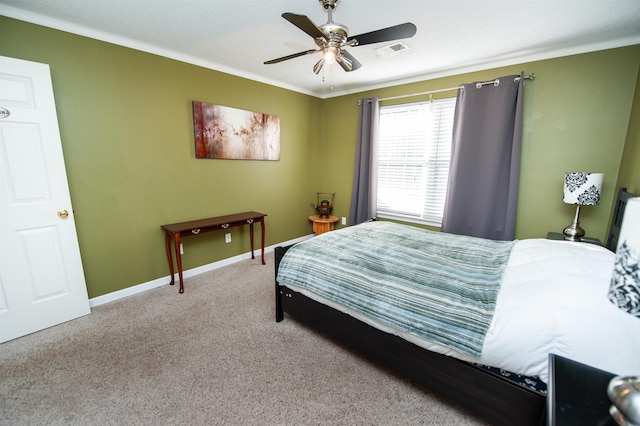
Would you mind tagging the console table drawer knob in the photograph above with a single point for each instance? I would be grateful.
(225, 225)
(195, 231)
(249, 220)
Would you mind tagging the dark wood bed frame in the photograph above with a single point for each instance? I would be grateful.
(488, 395)
(616, 220)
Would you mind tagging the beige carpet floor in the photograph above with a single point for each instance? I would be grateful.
(211, 356)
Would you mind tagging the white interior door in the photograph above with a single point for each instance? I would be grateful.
(41, 277)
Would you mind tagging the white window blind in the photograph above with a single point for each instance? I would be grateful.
(413, 160)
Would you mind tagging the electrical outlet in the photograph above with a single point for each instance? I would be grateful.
(227, 237)
(344, 220)
(181, 249)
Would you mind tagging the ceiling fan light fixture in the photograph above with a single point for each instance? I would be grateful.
(330, 54)
(345, 63)
(318, 66)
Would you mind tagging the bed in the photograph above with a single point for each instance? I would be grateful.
(472, 320)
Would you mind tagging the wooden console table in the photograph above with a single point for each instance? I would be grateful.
(197, 227)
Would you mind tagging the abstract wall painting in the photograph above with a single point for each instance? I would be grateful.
(229, 133)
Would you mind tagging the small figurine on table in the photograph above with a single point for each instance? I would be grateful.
(325, 206)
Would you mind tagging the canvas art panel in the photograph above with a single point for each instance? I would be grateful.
(230, 133)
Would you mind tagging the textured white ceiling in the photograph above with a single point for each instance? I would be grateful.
(237, 36)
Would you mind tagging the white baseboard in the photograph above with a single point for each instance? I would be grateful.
(139, 288)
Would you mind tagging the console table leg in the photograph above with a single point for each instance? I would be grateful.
(251, 238)
(179, 260)
(167, 244)
(262, 241)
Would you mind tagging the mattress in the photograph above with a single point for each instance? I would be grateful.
(552, 299)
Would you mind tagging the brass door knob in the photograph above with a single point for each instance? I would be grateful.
(63, 213)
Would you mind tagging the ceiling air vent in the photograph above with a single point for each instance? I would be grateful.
(392, 49)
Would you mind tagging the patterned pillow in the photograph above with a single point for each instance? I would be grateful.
(624, 290)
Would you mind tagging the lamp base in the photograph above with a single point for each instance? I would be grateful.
(574, 232)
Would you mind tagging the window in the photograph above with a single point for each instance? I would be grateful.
(413, 160)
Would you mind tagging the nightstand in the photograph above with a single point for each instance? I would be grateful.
(322, 225)
(577, 394)
(560, 236)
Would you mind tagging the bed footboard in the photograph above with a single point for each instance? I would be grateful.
(487, 395)
(279, 252)
(490, 396)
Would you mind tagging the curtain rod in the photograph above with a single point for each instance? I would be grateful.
(495, 82)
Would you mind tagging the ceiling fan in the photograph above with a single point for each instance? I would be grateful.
(332, 38)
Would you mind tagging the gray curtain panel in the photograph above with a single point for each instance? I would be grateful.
(365, 177)
(482, 192)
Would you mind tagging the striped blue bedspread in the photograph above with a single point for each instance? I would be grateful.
(438, 286)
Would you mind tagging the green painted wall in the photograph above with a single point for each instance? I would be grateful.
(126, 127)
(630, 167)
(576, 115)
(127, 133)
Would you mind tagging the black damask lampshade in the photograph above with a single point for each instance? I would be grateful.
(581, 189)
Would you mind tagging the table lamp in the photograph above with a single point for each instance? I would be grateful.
(624, 292)
(581, 189)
